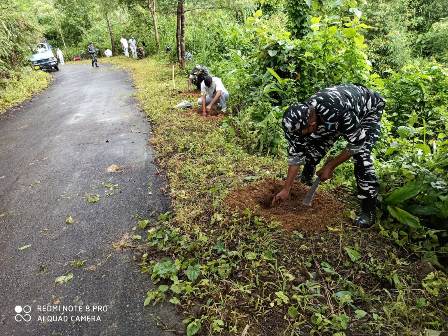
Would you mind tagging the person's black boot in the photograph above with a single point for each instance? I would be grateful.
(367, 216)
(307, 174)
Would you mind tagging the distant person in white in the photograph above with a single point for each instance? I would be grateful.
(213, 93)
(133, 47)
(108, 53)
(60, 56)
(125, 46)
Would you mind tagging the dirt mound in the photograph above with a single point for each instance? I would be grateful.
(325, 210)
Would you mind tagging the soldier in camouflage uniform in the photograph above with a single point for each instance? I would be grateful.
(312, 127)
(197, 75)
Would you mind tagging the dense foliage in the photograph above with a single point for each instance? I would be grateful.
(17, 34)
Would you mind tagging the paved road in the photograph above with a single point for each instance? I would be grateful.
(53, 151)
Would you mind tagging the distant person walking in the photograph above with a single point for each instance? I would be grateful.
(125, 46)
(92, 51)
(133, 47)
(60, 56)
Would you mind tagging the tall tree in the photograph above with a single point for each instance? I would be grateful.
(152, 7)
(180, 35)
(106, 7)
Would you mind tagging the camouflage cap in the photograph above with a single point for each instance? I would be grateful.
(295, 118)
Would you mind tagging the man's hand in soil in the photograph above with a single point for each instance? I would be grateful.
(209, 108)
(283, 195)
(280, 197)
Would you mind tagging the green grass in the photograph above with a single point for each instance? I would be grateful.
(22, 86)
(235, 273)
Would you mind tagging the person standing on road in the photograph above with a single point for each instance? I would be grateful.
(213, 93)
(60, 56)
(92, 51)
(312, 127)
(125, 46)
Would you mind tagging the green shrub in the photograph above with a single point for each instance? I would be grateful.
(17, 35)
(417, 98)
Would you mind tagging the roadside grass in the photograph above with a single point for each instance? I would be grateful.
(236, 274)
(22, 86)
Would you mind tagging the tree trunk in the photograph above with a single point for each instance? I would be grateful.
(152, 6)
(111, 35)
(62, 37)
(180, 34)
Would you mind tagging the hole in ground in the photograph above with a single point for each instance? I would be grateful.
(325, 211)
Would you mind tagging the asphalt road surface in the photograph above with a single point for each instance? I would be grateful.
(54, 151)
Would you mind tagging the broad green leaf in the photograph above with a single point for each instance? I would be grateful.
(315, 20)
(404, 217)
(194, 327)
(344, 297)
(282, 296)
(272, 53)
(409, 190)
(175, 300)
(327, 267)
(192, 272)
(293, 312)
(163, 288)
(251, 256)
(143, 223)
(349, 32)
(148, 300)
(353, 253)
(424, 147)
(359, 313)
(217, 325)
(164, 269)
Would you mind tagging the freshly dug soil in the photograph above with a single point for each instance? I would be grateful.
(325, 210)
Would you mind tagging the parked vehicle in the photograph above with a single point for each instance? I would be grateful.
(43, 58)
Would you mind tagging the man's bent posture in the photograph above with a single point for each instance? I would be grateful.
(312, 127)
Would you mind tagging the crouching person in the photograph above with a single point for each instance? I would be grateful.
(312, 127)
(213, 93)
